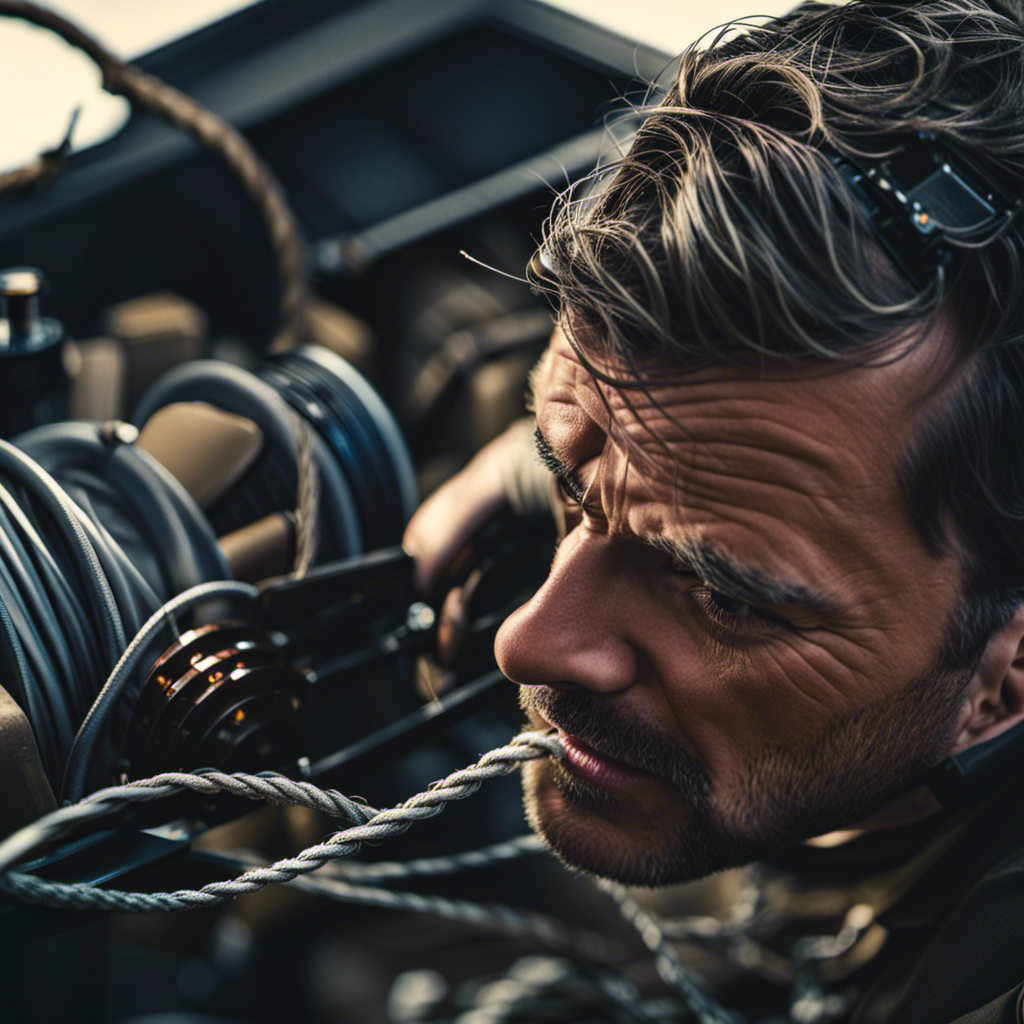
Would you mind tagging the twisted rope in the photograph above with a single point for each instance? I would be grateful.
(213, 132)
(666, 959)
(448, 865)
(542, 988)
(267, 786)
(46, 165)
(307, 500)
(380, 825)
(510, 920)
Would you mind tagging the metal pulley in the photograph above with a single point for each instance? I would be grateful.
(220, 696)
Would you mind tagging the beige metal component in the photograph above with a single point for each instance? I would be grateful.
(97, 380)
(25, 793)
(205, 448)
(344, 334)
(20, 281)
(158, 332)
(261, 549)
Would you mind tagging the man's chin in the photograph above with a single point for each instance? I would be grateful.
(593, 832)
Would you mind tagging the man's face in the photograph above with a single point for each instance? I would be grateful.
(738, 637)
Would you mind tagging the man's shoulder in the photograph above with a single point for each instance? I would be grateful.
(1005, 1009)
(958, 936)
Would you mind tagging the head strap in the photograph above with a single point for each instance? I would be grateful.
(926, 204)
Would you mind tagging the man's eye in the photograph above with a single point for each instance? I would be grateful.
(736, 614)
(568, 491)
(730, 605)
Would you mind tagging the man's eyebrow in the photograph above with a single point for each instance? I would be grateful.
(742, 582)
(568, 477)
(716, 568)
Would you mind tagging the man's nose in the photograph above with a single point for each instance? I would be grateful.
(573, 629)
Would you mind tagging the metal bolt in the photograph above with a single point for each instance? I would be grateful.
(419, 617)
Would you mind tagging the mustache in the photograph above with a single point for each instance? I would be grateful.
(623, 736)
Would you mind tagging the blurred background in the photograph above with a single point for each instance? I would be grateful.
(41, 80)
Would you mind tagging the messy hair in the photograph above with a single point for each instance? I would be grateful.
(727, 232)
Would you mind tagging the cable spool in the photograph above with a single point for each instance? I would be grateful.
(220, 696)
(99, 542)
(270, 485)
(368, 487)
(93, 539)
(360, 432)
(140, 510)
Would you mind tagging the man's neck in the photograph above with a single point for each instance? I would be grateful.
(906, 809)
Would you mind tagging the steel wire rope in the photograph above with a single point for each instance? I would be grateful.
(57, 586)
(69, 519)
(57, 633)
(100, 462)
(511, 849)
(510, 920)
(42, 679)
(666, 959)
(37, 699)
(371, 825)
(545, 988)
(29, 698)
(83, 655)
(125, 577)
(69, 591)
(381, 825)
(30, 585)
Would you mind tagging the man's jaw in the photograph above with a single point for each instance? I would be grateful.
(602, 816)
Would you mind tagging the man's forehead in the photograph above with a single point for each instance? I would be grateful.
(765, 482)
(881, 398)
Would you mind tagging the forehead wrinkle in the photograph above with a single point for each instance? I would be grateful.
(724, 421)
(692, 475)
(754, 441)
(808, 465)
(690, 485)
(714, 479)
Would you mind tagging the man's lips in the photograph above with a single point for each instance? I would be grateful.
(594, 766)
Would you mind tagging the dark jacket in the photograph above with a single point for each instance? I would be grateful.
(955, 951)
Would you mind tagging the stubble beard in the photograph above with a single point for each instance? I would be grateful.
(855, 764)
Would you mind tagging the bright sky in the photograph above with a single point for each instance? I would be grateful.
(42, 80)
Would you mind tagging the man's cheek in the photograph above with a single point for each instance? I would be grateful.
(778, 692)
